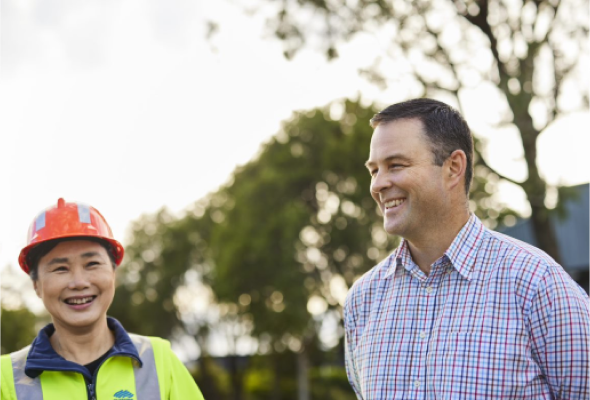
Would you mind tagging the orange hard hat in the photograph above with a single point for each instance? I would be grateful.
(68, 220)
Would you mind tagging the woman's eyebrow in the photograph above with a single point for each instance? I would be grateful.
(90, 254)
(58, 260)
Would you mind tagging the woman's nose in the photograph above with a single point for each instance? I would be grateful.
(79, 279)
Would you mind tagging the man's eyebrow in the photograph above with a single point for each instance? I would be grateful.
(388, 159)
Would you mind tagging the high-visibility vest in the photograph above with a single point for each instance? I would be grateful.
(118, 378)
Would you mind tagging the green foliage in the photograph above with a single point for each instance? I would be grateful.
(17, 329)
(213, 381)
(296, 222)
(295, 218)
(162, 251)
(330, 383)
(531, 51)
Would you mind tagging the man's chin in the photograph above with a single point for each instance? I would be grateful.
(392, 228)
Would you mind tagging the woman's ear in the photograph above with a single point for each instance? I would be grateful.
(37, 288)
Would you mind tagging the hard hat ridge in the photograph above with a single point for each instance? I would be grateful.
(67, 220)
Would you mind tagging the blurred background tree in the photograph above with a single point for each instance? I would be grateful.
(275, 251)
(533, 53)
(18, 324)
(251, 279)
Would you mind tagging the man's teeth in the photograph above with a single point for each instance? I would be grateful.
(83, 300)
(394, 203)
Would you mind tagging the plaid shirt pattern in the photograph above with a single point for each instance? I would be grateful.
(495, 319)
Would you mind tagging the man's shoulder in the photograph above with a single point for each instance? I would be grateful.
(500, 253)
(528, 266)
(365, 287)
(512, 248)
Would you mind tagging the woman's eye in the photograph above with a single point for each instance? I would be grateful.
(60, 269)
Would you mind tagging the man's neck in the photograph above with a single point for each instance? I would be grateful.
(428, 248)
(82, 346)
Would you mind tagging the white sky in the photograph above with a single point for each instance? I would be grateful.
(125, 106)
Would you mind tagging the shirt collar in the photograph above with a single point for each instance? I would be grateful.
(43, 357)
(401, 257)
(461, 253)
(463, 250)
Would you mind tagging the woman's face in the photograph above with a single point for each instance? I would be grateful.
(76, 282)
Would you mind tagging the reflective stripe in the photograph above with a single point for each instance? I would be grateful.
(40, 221)
(25, 387)
(84, 213)
(147, 385)
(146, 377)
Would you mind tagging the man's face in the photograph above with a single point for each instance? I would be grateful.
(76, 283)
(406, 184)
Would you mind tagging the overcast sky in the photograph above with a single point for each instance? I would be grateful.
(124, 105)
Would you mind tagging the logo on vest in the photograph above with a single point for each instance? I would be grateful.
(123, 395)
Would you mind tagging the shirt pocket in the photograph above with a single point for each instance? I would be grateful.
(482, 363)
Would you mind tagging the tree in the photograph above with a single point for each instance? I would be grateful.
(295, 227)
(277, 247)
(18, 323)
(18, 329)
(162, 252)
(531, 50)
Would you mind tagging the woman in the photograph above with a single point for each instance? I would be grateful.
(71, 257)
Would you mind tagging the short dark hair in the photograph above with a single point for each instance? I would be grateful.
(42, 249)
(444, 127)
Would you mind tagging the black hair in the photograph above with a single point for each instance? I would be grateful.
(444, 127)
(42, 249)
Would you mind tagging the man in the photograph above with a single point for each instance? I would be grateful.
(71, 257)
(457, 311)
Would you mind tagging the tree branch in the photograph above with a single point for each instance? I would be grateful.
(481, 21)
(483, 162)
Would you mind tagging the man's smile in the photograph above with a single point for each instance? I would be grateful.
(393, 203)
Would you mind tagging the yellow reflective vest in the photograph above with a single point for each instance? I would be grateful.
(156, 374)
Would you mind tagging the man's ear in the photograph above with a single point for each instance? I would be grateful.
(456, 165)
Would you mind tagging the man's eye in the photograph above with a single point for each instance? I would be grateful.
(373, 172)
(394, 166)
(60, 269)
(92, 263)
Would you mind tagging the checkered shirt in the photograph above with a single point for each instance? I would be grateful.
(495, 319)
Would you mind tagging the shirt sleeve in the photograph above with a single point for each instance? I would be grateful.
(349, 361)
(560, 334)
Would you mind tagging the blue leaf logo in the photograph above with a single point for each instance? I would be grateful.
(124, 395)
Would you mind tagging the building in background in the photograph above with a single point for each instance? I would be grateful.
(572, 234)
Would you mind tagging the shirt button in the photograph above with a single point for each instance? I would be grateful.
(429, 289)
(422, 335)
(417, 383)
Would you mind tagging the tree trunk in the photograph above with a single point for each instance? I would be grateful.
(534, 186)
(236, 377)
(302, 375)
(276, 388)
(543, 230)
(207, 382)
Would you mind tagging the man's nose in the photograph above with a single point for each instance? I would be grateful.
(379, 182)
